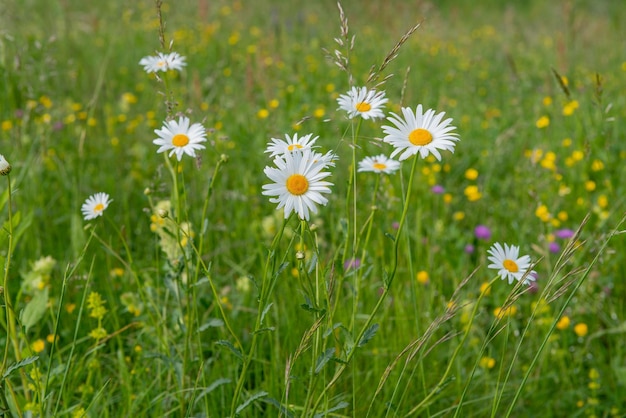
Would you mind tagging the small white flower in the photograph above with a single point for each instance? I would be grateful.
(422, 132)
(163, 62)
(379, 164)
(179, 138)
(509, 264)
(360, 101)
(280, 147)
(5, 167)
(298, 182)
(95, 205)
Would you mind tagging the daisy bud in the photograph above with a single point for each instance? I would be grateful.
(5, 167)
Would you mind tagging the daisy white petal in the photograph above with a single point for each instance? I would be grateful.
(95, 205)
(280, 146)
(163, 62)
(360, 101)
(379, 164)
(509, 264)
(420, 132)
(298, 182)
(179, 138)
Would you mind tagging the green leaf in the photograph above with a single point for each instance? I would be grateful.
(368, 335)
(16, 366)
(248, 401)
(212, 387)
(283, 409)
(231, 347)
(34, 310)
(340, 405)
(324, 358)
(265, 310)
(211, 323)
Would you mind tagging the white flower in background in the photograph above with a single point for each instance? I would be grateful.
(420, 132)
(95, 205)
(179, 138)
(360, 101)
(163, 62)
(509, 264)
(280, 146)
(379, 164)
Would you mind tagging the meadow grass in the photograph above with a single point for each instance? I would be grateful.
(192, 295)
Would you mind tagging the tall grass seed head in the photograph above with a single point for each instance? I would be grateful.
(359, 101)
(179, 138)
(510, 265)
(423, 132)
(298, 182)
(95, 205)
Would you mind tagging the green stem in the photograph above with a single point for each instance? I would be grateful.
(386, 288)
(458, 349)
(267, 288)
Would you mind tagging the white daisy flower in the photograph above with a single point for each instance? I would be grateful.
(509, 264)
(180, 138)
(280, 147)
(95, 205)
(175, 61)
(363, 102)
(5, 167)
(298, 182)
(422, 132)
(163, 62)
(379, 164)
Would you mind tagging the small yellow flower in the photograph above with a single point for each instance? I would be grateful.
(563, 323)
(471, 174)
(273, 104)
(593, 374)
(458, 216)
(578, 155)
(597, 165)
(263, 113)
(547, 101)
(38, 346)
(542, 213)
(502, 312)
(319, 112)
(562, 215)
(447, 198)
(567, 142)
(590, 185)
(487, 362)
(581, 329)
(422, 277)
(603, 201)
(542, 122)
(70, 307)
(485, 288)
(7, 125)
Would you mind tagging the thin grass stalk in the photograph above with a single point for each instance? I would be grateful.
(386, 289)
(266, 290)
(533, 362)
(444, 377)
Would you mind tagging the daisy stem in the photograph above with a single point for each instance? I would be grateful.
(352, 189)
(8, 306)
(267, 288)
(358, 273)
(383, 296)
(442, 382)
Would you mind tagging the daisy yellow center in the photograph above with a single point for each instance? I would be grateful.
(161, 64)
(510, 265)
(180, 140)
(363, 107)
(380, 166)
(420, 137)
(297, 184)
(294, 146)
(98, 208)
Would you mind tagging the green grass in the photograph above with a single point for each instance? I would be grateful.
(235, 322)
